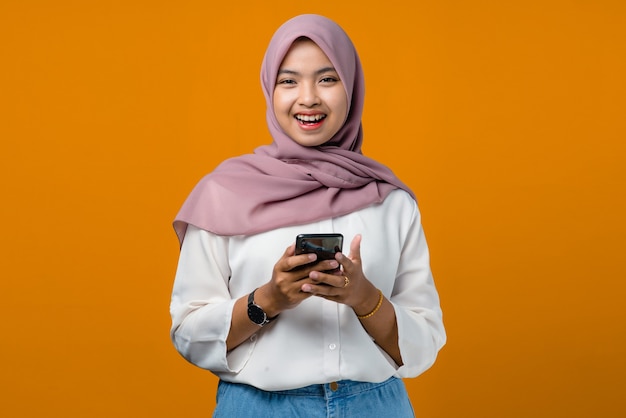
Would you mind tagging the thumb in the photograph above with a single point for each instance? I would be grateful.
(355, 248)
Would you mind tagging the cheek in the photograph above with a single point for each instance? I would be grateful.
(338, 102)
(341, 107)
(279, 104)
(281, 108)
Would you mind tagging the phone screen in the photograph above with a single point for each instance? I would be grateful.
(324, 245)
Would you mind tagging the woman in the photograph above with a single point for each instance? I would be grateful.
(285, 337)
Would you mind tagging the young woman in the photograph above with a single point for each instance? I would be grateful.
(286, 336)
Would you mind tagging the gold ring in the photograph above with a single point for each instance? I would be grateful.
(346, 281)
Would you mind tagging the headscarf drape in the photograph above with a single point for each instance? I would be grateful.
(285, 183)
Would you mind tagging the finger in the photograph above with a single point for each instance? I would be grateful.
(319, 290)
(298, 261)
(355, 248)
(291, 250)
(354, 257)
(325, 266)
(329, 279)
(290, 261)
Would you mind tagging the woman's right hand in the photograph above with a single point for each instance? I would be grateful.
(280, 293)
(291, 271)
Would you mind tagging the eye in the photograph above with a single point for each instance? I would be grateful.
(285, 81)
(329, 79)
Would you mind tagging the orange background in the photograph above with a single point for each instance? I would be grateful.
(506, 118)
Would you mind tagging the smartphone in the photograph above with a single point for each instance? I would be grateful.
(324, 245)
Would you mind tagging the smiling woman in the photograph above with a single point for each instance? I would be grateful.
(250, 309)
(310, 101)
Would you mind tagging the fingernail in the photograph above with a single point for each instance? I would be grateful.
(312, 256)
(306, 288)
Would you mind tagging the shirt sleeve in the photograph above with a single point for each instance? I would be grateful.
(201, 305)
(421, 333)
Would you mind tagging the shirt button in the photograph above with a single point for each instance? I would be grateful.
(332, 346)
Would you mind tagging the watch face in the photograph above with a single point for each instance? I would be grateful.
(256, 314)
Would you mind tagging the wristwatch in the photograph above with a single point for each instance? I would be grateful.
(256, 313)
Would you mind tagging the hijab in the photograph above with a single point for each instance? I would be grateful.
(284, 183)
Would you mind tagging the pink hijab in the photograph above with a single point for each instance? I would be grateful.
(284, 183)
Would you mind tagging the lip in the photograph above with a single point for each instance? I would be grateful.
(309, 126)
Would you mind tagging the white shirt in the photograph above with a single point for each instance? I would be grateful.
(319, 341)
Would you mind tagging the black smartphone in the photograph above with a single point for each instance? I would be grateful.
(324, 245)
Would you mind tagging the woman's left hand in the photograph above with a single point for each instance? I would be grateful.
(350, 286)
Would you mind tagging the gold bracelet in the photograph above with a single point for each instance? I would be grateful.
(378, 305)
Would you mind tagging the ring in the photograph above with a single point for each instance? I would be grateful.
(346, 281)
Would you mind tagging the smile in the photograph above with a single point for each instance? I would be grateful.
(310, 119)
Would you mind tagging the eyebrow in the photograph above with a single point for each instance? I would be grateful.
(320, 71)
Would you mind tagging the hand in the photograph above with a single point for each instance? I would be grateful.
(357, 292)
(283, 291)
(280, 293)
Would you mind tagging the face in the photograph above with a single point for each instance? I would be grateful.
(310, 102)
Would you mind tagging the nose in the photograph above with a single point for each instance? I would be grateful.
(308, 95)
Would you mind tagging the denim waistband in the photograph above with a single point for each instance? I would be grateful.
(335, 389)
(344, 398)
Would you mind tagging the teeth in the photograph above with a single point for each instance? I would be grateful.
(310, 118)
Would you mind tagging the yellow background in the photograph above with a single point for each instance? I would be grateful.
(506, 118)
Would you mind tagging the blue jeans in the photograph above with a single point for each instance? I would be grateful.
(343, 399)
